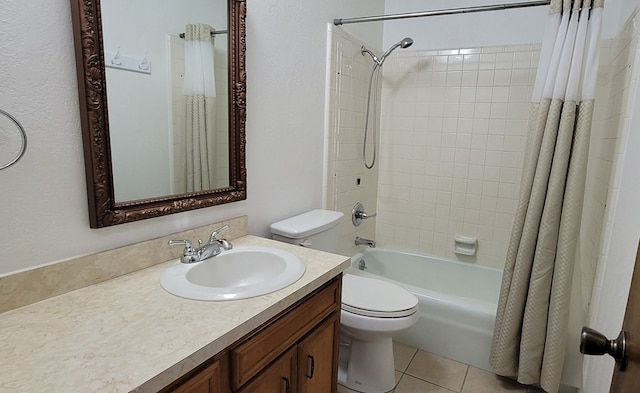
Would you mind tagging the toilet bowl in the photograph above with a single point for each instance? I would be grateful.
(373, 311)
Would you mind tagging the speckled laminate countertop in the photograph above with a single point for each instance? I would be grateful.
(129, 334)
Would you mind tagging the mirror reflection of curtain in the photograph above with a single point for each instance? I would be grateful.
(196, 142)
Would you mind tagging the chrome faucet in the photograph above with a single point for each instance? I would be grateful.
(360, 241)
(358, 214)
(190, 254)
(209, 250)
(223, 243)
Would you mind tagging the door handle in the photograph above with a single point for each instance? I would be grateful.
(287, 385)
(592, 342)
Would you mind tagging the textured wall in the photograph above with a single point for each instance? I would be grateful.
(44, 208)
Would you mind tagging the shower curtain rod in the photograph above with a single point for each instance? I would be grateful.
(212, 33)
(450, 11)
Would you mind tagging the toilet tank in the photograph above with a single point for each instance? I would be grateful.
(315, 229)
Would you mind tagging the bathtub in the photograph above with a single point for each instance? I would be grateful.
(457, 301)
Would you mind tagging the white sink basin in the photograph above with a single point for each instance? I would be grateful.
(239, 273)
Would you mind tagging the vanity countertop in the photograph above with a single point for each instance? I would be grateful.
(129, 334)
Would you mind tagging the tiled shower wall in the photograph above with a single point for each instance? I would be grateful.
(453, 135)
(347, 181)
(452, 141)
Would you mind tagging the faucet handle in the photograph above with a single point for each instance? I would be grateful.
(189, 254)
(186, 243)
(218, 231)
(358, 214)
(224, 243)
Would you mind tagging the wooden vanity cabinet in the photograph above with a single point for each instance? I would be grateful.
(318, 358)
(305, 338)
(308, 367)
(209, 378)
(297, 351)
(278, 377)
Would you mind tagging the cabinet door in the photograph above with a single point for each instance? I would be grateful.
(209, 380)
(279, 377)
(318, 358)
(258, 351)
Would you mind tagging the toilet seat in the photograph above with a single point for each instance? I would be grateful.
(375, 298)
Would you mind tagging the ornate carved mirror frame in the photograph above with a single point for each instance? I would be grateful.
(103, 209)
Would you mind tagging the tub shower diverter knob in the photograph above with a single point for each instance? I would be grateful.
(358, 214)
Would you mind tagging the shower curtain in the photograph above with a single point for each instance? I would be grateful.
(196, 154)
(533, 308)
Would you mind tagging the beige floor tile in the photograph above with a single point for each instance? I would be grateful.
(402, 355)
(409, 384)
(438, 370)
(344, 389)
(481, 381)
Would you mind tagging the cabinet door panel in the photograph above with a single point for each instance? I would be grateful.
(318, 360)
(209, 380)
(252, 355)
(279, 377)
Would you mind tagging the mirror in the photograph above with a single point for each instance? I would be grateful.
(153, 146)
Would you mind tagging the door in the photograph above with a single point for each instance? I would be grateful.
(317, 359)
(629, 380)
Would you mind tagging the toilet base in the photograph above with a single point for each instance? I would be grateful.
(367, 366)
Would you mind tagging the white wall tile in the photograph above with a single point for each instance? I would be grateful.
(450, 133)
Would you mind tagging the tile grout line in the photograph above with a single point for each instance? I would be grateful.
(433, 383)
(464, 380)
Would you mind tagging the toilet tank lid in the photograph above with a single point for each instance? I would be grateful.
(306, 224)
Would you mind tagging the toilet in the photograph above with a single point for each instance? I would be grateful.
(373, 311)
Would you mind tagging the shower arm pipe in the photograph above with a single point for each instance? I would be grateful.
(450, 11)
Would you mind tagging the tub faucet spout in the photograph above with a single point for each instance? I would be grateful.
(360, 241)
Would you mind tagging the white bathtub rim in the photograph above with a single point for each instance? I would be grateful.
(415, 254)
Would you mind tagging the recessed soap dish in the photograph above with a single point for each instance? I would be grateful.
(465, 245)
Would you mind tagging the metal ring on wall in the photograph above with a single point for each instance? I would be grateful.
(4, 138)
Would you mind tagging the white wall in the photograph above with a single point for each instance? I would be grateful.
(524, 26)
(286, 58)
(622, 213)
(44, 209)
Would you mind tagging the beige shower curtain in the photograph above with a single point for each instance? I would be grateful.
(195, 155)
(533, 309)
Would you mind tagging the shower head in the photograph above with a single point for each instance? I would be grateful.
(404, 43)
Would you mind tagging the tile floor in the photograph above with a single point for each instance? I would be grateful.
(418, 371)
